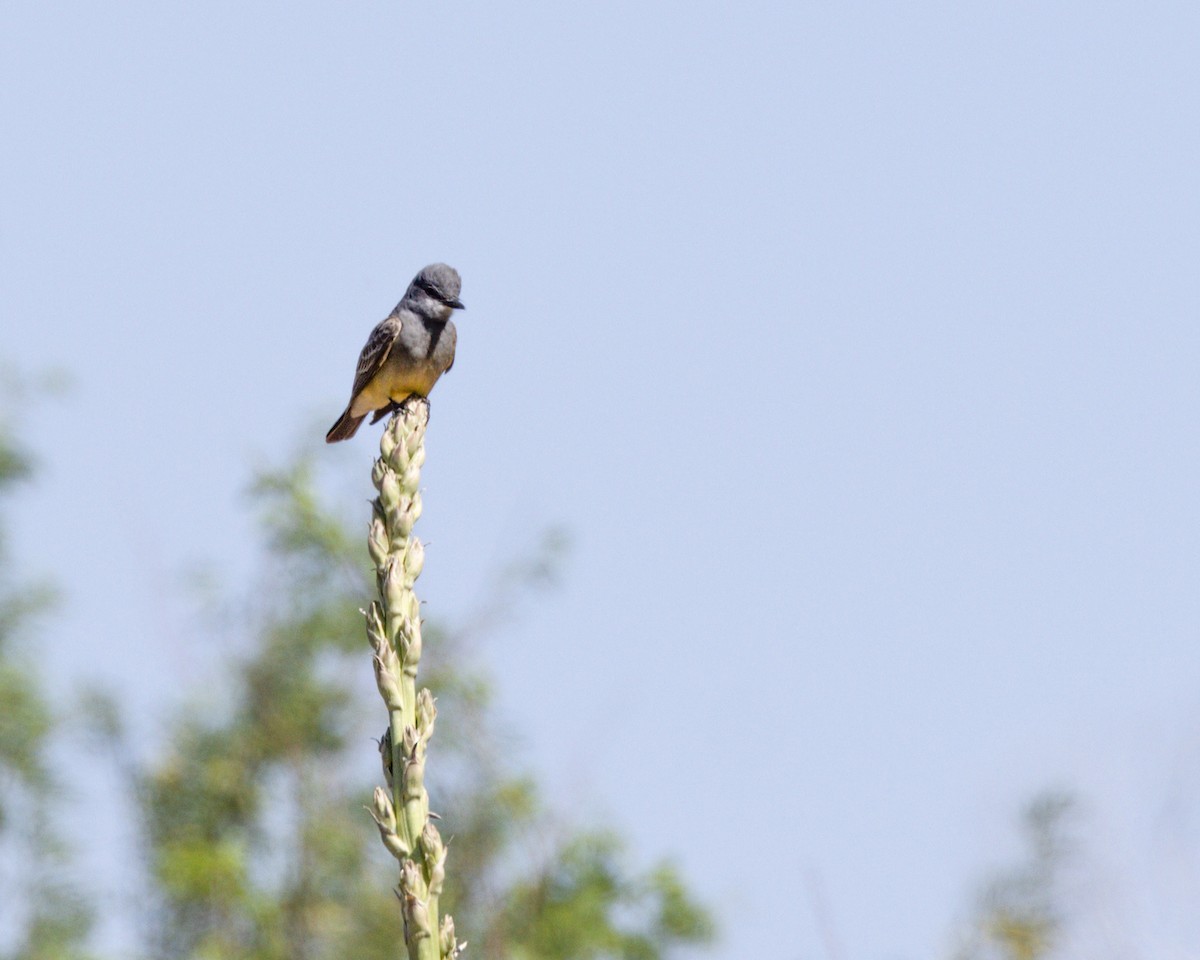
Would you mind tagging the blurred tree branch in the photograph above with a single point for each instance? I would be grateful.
(48, 916)
(1021, 912)
(255, 845)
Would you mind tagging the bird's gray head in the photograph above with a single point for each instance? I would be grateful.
(434, 291)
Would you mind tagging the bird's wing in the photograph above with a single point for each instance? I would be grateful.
(375, 353)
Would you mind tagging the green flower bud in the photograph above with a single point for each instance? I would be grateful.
(382, 810)
(418, 917)
(397, 458)
(394, 629)
(414, 559)
(412, 608)
(375, 630)
(411, 883)
(449, 943)
(400, 520)
(416, 909)
(395, 586)
(377, 541)
(426, 714)
(388, 682)
(389, 489)
(434, 852)
(414, 778)
(387, 443)
(384, 815)
(408, 646)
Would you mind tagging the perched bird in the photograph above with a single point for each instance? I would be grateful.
(407, 352)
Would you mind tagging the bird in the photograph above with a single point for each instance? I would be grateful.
(407, 352)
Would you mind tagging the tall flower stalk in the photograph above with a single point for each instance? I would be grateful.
(394, 629)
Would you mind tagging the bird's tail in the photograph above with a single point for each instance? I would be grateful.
(345, 427)
(382, 412)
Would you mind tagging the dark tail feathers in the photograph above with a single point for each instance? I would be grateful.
(384, 411)
(345, 427)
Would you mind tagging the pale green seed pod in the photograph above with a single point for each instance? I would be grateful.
(387, 443)
(376, 633)
(451, 948)
(384, 815)
(414, 776)
(414, 559)
(411, 883)
(394, 630)
(416, 909)
(410, 741)
(395, 587)
(418, 917)
(426, 714)
(412, 609)
(382, 810)
(389, 490)
(388, 681)
(400, 521)
(378, 543)
(435, 858)
(408, 646)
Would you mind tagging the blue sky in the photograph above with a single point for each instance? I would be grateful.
(855, 344)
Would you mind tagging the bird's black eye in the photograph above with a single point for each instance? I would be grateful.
(432, 291)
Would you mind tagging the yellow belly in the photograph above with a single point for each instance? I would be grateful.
(391, 384)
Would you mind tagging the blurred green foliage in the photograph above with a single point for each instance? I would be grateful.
(258, 846)
(45, 918)
(1020, 913)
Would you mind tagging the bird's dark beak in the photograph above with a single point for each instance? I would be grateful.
(456, 304)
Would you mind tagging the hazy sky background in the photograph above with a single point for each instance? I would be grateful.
(856, 345)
